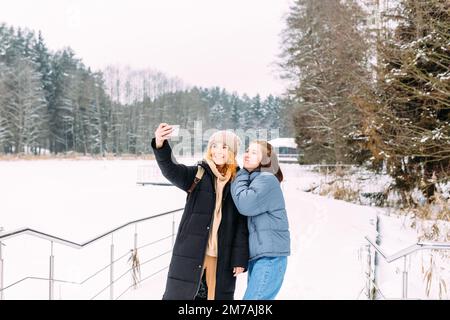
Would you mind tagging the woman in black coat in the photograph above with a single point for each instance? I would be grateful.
(212, 239)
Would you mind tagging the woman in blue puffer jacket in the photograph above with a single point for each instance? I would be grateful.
(257, 194)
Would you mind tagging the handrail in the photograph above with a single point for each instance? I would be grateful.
(46, 236)
(86, 279)
(421, 245)
(164, 184)
(55, 239)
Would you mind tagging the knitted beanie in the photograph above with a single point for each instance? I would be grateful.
(228, 138)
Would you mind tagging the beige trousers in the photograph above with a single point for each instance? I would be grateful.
(210, 265)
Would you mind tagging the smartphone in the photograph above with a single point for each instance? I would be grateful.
(176, 130)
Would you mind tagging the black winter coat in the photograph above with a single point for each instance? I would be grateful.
(185, 270)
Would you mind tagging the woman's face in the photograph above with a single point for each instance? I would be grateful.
(219, 153)
(252, 157)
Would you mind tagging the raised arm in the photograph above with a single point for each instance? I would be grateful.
(180, 175)
(252, 198)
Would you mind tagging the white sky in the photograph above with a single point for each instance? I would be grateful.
(228, 43)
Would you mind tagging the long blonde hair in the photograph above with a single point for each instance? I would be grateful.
(229, 167)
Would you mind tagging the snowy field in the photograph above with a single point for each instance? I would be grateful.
(79, 200)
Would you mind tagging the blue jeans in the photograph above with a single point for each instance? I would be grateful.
(265, 277)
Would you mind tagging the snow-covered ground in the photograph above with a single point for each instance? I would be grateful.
(79, 200)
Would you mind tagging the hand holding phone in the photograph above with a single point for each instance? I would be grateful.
(164, 132)
(175, 130)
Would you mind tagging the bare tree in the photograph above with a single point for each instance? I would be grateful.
(24, 108)
(5, 133)
(325, 56)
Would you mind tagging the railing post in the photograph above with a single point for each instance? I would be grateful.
(369, 273)
(111, 270)
(376, 255)
(51, 284)
(405, 280)
(1, 270)
(135, 268)
(135, 237)
(173, 229)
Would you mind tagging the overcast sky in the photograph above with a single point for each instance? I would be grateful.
(228, 43)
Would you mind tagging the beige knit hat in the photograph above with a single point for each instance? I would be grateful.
(228, 138)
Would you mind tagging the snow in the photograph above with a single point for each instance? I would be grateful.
(79, 200)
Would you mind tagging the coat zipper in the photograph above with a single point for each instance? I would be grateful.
(204, 248)
(204, 253)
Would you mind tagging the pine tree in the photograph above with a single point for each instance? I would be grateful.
(217, 115)
(64, 106)
(271, 112)
(41, 57)
(61, 105)
(408, 118)
(235, 110)
(246, 120)
(256, 113)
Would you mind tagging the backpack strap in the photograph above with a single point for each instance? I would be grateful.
(198, 177)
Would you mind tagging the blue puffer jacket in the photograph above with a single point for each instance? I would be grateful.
(259, 197)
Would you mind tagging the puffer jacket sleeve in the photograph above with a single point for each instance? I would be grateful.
(252, 198)
(180, 175)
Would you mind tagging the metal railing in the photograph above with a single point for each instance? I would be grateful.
(54, 239)
(404, 253)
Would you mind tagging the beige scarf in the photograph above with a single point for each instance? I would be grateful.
(220, 182)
